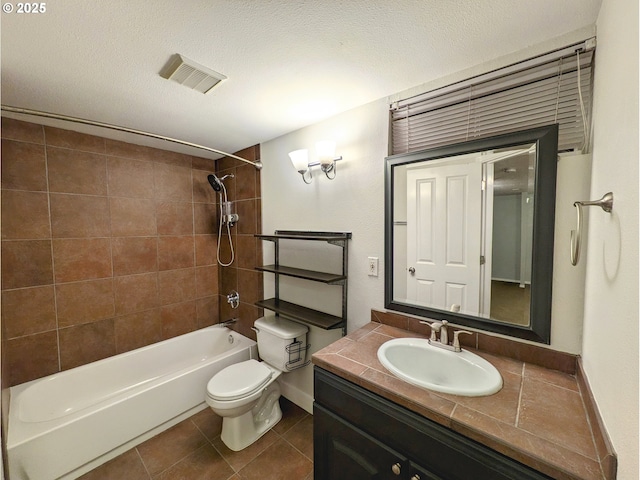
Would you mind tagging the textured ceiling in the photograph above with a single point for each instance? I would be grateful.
(288, 63)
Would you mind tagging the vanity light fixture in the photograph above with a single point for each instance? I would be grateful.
(325, 152)
(300, 160)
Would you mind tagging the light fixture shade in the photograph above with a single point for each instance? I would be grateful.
(300, 160)
(326, 152)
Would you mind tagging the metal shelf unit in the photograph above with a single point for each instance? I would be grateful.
(298, 312)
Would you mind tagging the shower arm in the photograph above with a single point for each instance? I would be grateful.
(66, 118)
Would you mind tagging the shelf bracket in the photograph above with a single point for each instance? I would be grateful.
(339, 243)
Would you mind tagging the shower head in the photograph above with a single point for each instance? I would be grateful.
(215, 182)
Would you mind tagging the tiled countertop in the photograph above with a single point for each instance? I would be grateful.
(539, 418)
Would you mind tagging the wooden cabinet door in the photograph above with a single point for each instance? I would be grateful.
(342, 451)
(351, 423)
(418, 472)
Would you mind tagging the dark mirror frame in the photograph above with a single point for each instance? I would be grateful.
(546, 140)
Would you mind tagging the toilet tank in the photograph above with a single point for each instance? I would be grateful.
(281, 343)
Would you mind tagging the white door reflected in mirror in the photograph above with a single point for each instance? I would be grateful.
(466, 223)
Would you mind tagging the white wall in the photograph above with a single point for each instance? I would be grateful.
(610, 348)
(352, 202)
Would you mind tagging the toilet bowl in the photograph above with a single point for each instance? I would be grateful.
(246, 394)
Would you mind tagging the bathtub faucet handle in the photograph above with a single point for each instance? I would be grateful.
(233, 299)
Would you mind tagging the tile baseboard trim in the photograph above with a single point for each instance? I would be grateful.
(604, 448)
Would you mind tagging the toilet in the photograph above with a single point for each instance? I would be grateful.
(246, 394)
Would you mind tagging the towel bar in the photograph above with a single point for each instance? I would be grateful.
(606, 203)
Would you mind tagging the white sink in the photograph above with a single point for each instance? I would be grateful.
(416, 361)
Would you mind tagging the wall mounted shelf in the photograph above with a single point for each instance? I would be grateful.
(301, 314)
(328, 278)
(298, 312)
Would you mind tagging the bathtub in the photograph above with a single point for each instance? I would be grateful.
(66, 424)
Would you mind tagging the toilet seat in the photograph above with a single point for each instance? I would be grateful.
(239, 380)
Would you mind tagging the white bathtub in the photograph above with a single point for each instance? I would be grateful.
(64, 425)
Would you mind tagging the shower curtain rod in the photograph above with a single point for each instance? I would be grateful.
(66, 118)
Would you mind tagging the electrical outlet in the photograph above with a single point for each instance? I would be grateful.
(373, 267)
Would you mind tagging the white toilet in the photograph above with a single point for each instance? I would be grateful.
(246, 394)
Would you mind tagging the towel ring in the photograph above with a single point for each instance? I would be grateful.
(606, 203)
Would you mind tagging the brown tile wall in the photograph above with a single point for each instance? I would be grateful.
(109, 246)
(241, 276)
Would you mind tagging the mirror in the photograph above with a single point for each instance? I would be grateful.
(469, 233)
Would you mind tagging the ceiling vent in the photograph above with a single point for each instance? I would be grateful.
(191, 74)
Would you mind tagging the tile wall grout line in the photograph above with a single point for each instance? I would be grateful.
(76, 149)
(23, 141)
(24, 190)
(53, 263)
(520, 396)
(30, 334)
(92, 195)
(195, 246)
(113, 277)
(157, 240)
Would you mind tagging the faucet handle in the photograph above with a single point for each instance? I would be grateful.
(435, 328)
(456, 340)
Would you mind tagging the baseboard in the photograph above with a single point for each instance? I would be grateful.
(297, 396)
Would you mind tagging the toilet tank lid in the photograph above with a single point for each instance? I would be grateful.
(280, 327)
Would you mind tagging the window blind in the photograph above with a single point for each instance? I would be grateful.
(529, 94)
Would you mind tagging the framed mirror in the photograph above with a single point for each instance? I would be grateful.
(469, 232)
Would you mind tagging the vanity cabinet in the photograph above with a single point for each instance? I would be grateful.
(300, 313)
(360, 435)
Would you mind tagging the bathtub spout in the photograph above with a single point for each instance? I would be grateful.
(228, 323)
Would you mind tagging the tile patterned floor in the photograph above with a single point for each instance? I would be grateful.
(193, 450)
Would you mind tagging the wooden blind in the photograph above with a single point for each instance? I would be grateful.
(533, 93)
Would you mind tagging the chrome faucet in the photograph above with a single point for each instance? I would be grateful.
(233, 299)
(441, 327)
(228, 323)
